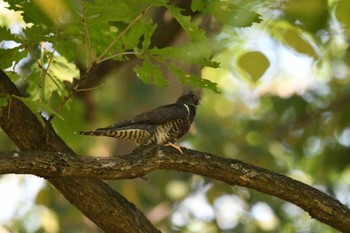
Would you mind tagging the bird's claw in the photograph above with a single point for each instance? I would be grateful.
(175, 146)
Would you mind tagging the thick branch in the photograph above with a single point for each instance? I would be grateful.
(234, 172)
(104, 206)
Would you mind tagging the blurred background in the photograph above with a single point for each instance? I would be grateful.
(282, 102)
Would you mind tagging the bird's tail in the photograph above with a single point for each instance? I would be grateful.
(134, 135)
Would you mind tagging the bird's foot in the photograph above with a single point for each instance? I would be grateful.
(175, 146)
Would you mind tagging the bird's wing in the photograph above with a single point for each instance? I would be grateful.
(158, 115)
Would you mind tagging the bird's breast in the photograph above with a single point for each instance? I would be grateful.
(171, 131)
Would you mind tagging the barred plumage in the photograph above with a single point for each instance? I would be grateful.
(161, 125)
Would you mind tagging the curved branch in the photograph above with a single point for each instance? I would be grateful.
(143, 161)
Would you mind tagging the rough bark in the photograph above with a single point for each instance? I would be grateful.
(143, 161)
(104, 206)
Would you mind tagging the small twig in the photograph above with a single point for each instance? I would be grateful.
(88, 89)
(87, 34)
(119, 54)
(43, 73)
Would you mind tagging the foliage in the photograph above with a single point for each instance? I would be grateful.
(103, 30)
(282, 68)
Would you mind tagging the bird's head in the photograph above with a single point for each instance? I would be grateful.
(188, 99)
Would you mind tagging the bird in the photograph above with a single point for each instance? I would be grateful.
(162, 125)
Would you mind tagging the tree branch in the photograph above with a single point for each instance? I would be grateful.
(95, 199)
(143, 161)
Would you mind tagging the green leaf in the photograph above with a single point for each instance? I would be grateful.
(194, 53)
(106, 19)
(5, 34)
(193, 31)
(31, 12)
(228, 12)
(149, 30)
(140, 29)
(193, 80)
(8, 56)
(43, 107)
(104, 11)
(199, 5)
(35, 34)
(63, 70)
(41, 86)
(34, 84)
(38, 107)
(150, 73)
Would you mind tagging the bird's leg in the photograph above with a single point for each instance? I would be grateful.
(175, 146)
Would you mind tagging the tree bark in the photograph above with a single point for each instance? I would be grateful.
(95, 199)
(143, 161)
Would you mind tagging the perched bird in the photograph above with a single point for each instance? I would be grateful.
(162, 125)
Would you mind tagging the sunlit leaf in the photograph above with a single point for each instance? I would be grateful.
(42, 85)
(62, 70)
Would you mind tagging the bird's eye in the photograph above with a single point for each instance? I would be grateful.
(195, 99)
